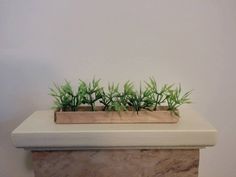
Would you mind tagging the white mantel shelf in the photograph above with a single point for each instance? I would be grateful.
(40, 132)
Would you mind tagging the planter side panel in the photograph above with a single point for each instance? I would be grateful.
(115, 117)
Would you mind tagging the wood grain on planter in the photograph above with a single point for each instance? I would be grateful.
(103, 117)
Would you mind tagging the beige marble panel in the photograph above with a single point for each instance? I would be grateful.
(117, 163)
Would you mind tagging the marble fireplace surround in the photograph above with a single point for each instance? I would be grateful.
(117, 163)
(112, 150)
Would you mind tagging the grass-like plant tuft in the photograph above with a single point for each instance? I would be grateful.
(65, 98)
(112, 98)
(141, 100)
(151, 98)
(175, 99)
(91, 92)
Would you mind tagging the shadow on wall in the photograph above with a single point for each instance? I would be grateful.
(14, 162)
(24, 89)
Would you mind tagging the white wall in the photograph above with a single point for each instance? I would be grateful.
(187, 41)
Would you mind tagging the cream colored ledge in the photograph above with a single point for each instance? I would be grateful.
(40, 132)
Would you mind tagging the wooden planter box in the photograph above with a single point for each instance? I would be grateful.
(85, 116)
